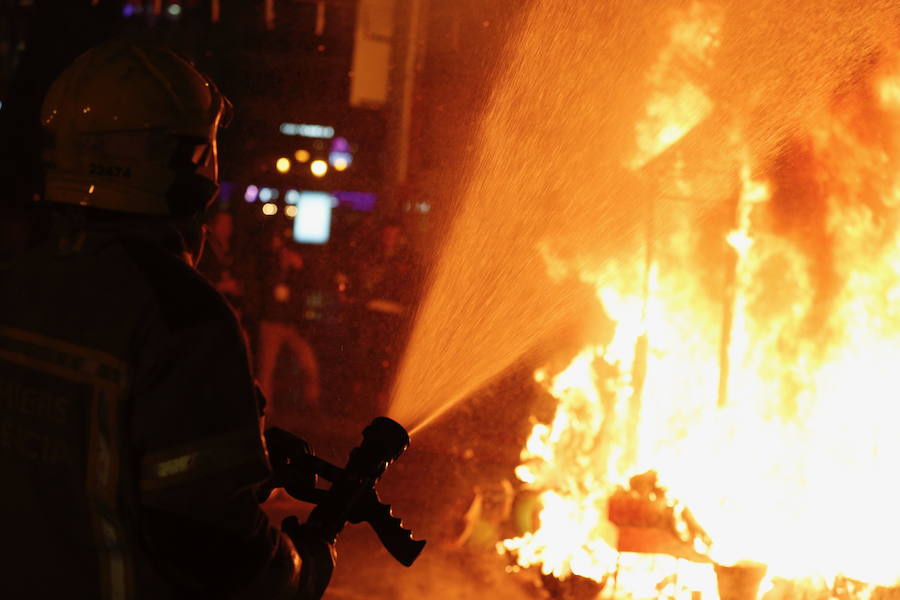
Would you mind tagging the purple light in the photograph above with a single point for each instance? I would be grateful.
(356, 200)
(251, 193)
(128, 10)
(340, 144)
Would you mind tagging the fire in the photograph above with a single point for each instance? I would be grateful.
(765, 404)
(676, 104)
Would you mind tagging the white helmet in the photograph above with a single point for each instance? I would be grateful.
(132, 128)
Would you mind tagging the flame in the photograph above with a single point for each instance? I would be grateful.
(676, 103)
(766, 405)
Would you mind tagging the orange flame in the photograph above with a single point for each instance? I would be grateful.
(767, 409)
(676, 104)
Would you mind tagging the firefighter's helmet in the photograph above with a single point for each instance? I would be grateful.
(132, 128)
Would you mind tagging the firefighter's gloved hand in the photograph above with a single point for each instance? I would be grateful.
(318, 557)
(290, 470)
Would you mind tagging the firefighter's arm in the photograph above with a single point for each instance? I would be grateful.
(293, 564)
(202, 456)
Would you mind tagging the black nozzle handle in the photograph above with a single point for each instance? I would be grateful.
(396, 540)
(352, 497)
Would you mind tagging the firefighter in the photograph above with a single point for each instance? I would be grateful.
(130, 425)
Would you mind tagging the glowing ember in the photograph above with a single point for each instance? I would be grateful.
(764, 401)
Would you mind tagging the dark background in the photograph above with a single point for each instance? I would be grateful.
(282, 70)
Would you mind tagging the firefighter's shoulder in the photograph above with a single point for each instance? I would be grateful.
(184, 297)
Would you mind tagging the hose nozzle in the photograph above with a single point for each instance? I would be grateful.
(352, 497)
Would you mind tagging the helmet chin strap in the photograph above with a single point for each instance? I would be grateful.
(193, 236)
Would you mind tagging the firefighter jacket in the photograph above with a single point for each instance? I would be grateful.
(130, 441)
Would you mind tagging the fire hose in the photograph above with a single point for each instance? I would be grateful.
(352, 497)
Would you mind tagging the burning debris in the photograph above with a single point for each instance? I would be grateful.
(573, 587)
(650, 521)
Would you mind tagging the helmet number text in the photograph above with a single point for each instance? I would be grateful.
(109, 170)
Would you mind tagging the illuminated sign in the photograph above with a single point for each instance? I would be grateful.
(312, 224)
(322, 132)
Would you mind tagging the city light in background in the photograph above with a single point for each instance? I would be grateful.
(322, 132)
(340, 163)
(340, 155)
(310, 210)
(340, 151)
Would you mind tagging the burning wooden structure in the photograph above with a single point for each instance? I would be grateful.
(752, 358)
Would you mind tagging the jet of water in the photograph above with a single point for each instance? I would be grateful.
(555, 146)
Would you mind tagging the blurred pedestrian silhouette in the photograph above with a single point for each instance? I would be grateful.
(282, 307)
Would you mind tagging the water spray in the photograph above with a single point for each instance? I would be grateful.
(352, 497)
